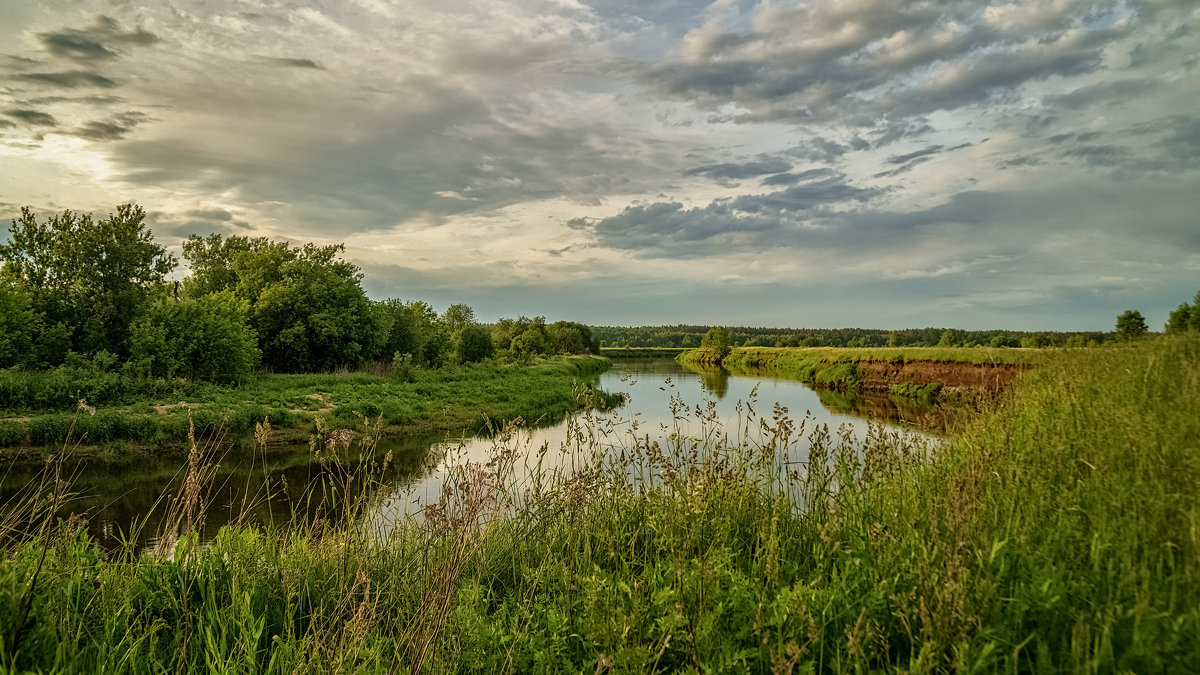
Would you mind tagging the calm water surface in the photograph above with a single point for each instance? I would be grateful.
(128, 500)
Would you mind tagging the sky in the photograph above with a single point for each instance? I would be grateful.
(1032, 165)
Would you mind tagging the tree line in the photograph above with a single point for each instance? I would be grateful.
(691, 336)
(74, 289)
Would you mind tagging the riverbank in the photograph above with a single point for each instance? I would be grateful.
(924, 374)
(1055, 533)
(427, 401)
(642, 352)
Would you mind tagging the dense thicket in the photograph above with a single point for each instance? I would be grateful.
(690, 336)
(82, 291)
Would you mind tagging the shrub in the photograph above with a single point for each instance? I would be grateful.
(207, 337)
(50, 429)
(12, 433)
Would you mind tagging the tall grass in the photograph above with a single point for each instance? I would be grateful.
(1058, 533)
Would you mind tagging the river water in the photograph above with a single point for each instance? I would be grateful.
(124, 501)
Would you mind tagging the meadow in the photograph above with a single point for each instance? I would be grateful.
(1057, 532)
(45, 409)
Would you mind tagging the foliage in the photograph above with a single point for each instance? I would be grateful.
(415, 330)
(90, 276)
(521, 336)
(306, 304)
(717, 340)
(1184, 318)
(1130, 325)
(19, 324)
(205, 337)
(458, 316)
(473, 342)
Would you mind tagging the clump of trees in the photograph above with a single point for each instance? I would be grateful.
(1184, 318)
(77, 292)
(717, 340)
(524, 337)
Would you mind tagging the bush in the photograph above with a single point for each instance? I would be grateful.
(473, 343)
(207, 337)
(50, 429)
(12, 433)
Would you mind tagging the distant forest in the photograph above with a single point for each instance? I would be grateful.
(689, 336)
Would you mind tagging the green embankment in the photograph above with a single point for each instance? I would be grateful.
(1056, 534)
(451, 399)
(845, 368)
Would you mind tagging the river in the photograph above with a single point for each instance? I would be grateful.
(131, 501)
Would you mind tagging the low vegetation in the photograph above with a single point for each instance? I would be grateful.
(1055, 534)
(44, 408)
(918, 374)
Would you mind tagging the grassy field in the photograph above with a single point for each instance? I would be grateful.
(1057, 533)
(125, 414)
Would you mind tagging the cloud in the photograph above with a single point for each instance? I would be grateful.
(71, 79)
(32, 117)
(112, 129)
(550, 148)
(741, 170)
(97, 42)
(288, 62)
(876, 59)
(781, 218)
(793, 178)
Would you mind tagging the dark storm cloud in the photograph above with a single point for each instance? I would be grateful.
(32, 117)
(99, 41)
(71, 79)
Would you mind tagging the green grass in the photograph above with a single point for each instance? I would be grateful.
(838, 367)
(452, 399)
(1057, 533)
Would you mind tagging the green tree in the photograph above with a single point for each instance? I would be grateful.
(414, 326)
(718, 340)
(1130, 325)
(92, 277)
(19, 324)
(950, 338)
(472, 343)
(307, 304)
(458, 316)
(569, 337)
(1185, 318)
(207, 338)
